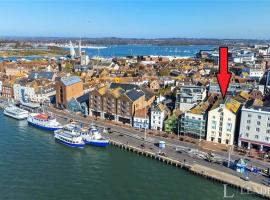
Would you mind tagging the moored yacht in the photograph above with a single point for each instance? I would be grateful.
(15, 112)
(43, 121)
(94, 137)
(69, 135)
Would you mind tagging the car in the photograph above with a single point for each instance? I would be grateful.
(107, 130)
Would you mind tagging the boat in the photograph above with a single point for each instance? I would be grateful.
(15, 112)
(43, 121)
(93, 137)
(69, 135)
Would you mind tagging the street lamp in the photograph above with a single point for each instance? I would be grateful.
(178, 128)
(229, 156)
(145, 124)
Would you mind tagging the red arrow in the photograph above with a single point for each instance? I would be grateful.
(223, 75)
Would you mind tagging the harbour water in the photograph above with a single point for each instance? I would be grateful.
(142, 50)
(33, 166)
(137, 50)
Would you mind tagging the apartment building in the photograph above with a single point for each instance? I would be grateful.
(119, 102)
(187, 96)
(68, 87)
(96, 103)
(193, 122)
(255, 127)
(222, 121)
(158, 113)
(128, 103)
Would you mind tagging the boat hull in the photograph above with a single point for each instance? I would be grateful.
(69, 144)
(44, 127)
(23, 117)
(97, 143)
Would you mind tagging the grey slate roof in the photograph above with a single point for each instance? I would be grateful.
(124, 86)
(83, 98)
(148, 93)
(133, 95)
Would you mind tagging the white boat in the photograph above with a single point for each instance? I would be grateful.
(70, 135)
(93, 137)
(15, 112)
(43, 121)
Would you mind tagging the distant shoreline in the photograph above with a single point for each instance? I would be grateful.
(137, 41)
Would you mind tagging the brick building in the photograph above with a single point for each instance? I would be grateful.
(67, 88)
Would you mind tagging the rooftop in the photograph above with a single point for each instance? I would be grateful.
(70, 80)
(37, 75)
(124, 86)
(133, 95)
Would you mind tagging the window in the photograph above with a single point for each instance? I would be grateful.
(256, 137)
(268, 124)
(229, 127)
(267, 131)
(258, 129)
(249, 115)
(248, 121)
(247, 134)
(259, 116)
(267, 138)
(248, 128)
(258, 123)
(229, 119)
(213, 124)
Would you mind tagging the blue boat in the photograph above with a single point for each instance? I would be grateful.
(93, 137)
(70, 136)
(43, 121)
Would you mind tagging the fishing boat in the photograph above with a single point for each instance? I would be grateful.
(93, 137)
(43, 121)
(69, 135)
(15, 112)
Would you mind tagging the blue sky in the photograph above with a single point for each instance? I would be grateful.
(136, 18)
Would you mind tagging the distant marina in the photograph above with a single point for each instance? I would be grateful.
(110, 51)
(142, 50)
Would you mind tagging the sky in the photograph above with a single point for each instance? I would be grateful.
(232, 19)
